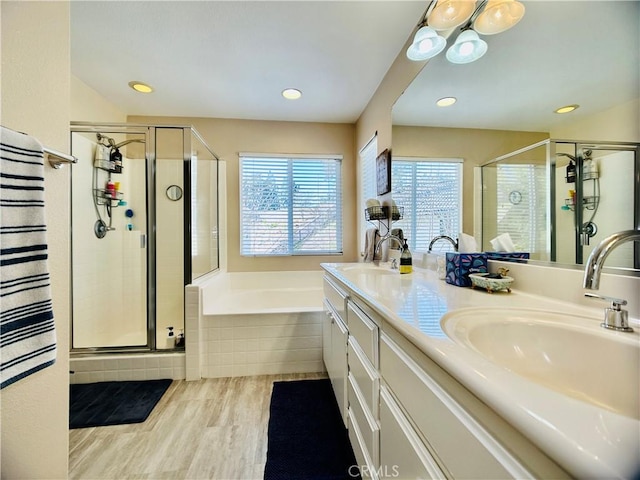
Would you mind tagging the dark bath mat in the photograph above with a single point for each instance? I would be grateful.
(113, 403)
(306, 436)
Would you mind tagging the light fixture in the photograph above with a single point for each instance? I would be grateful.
(426, 44)
(467, 48)
(446, 101)
(498, 16)
(492, 16)
(291, 93)
(141, 87)
(451, 13)
(566, 109)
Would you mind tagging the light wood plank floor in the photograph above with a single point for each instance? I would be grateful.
(207, 429)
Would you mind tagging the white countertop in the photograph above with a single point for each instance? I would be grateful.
(587, 441)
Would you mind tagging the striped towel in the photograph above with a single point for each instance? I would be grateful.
(27, 331)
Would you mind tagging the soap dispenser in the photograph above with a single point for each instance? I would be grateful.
(405, 259)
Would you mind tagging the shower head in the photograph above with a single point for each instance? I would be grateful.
(566, 155)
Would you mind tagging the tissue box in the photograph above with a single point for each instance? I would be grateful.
(508, 256)
(460, 265)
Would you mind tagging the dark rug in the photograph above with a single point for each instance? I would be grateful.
(306, 436)
(113, 403)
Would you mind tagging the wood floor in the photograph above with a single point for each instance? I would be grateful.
(207, 429)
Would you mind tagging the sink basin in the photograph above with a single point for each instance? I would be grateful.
(570, 354)
(367, 268)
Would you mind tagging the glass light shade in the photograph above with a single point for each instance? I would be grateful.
(498, 16)
(426, 44)
(451, 13)
(467, 48)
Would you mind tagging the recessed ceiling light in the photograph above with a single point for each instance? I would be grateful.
(566, 109)
(141, 87)
(291, 93)
(446, 101)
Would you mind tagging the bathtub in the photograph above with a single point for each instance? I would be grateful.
(256, 323)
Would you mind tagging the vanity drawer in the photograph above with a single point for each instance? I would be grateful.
(362, 417)
(442, 422)
(365, 465)
(336, 297)
(365, 376)
(402, 453)
(362, 328)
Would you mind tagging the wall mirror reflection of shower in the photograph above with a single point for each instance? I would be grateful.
(595, 189)
(133, 248)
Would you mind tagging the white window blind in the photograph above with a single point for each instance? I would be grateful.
(521, 205)
(368, 171)
(430, 191)
(290, 205)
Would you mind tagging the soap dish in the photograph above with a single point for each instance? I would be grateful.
(484, 280)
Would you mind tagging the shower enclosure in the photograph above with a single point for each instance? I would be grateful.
(144, 224)
(558, 199)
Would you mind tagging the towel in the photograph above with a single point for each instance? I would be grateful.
(370, 241)
(27, 330)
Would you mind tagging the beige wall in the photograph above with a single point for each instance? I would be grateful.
(35, 100)
(474, 146)
(229, 137)
(618, 124)
(87, 105)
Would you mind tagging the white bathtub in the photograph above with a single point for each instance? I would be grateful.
(256, 323)
(263, 292)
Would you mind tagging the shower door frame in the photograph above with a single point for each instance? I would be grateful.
(580, 146)
(150, 134)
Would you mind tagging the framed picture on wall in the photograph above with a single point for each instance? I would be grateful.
(383, 172)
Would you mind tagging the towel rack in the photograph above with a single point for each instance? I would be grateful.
(59, 158)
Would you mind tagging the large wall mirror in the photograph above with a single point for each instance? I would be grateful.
(506, 101)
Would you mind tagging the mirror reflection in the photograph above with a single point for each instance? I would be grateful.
(506, 102)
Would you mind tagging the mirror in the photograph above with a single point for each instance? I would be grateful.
(506, 99)
(174, 193)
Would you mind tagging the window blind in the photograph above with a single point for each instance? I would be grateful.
(430, 191)
(521, 205)
(290, 206)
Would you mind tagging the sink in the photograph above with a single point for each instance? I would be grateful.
(367, 268)
(567, 353)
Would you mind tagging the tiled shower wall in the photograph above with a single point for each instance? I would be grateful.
(122, 367)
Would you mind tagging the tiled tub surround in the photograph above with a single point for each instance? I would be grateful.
(121, 367)
(254, 323)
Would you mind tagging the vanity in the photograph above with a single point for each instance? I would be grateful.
(438, 381)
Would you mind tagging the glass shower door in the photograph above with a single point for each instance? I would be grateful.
(109, 240)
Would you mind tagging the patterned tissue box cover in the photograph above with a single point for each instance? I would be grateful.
(508, 256)
(460, 265)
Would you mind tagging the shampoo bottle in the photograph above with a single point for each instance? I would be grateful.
(405, 259)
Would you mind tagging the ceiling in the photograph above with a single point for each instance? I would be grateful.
(232, 59)
(560, 53)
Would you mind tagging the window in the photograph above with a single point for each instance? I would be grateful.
(368, 189)
(521, 205)
(290, 205)
(430, 191)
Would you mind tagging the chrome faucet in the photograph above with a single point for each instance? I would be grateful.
(444, 237)
(388, 237)
(615, 318)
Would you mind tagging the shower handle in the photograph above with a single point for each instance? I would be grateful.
(143, 240)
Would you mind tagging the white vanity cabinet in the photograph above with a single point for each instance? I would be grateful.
(334, 342)
(407, 417)
(363, 388)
